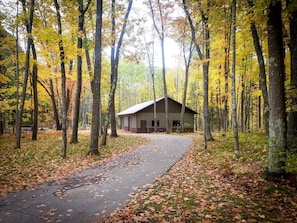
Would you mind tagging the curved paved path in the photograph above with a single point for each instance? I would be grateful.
(98, 191)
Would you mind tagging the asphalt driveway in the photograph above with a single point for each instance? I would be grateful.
(96, 192)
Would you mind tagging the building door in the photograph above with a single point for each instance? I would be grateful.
(143, 126)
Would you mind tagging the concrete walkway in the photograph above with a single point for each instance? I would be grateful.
(96, 192)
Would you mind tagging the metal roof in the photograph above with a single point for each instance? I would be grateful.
(139, 107)
(136, 108)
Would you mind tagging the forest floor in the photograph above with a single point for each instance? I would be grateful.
(213, 186)
(205, 186)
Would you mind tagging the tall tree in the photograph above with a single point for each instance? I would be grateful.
(35, 93)
(63, 82)
(227, 42)
(234, 104)
(277, 116)
(160, 29)
(292, 121)
(81, 20)
(187, 62)
(204, 57)
(96, 82)
(150, 52)
(114, 63)
(29, 25)
(262, 74)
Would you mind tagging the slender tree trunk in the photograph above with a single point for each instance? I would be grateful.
(292, 121)
(63, 83)
(187, 61)
(51, 93)
(168, 125)
(152, 72)
(96, 82)
(205, 56)
(277, 116)
(54, 103)
(115, 57)
(262, 82)
(26, 76)
(160, 31)
(113, 80)
(35, 93)
(81, 21)
(234, 105)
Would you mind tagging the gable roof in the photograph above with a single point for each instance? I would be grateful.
(139, 107)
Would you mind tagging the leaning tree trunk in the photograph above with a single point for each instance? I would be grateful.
(277, 115)
(262, 81)
(26, 76)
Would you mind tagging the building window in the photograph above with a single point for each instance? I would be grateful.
(176, 123)
(153, 123)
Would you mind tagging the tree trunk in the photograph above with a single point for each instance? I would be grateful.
(96, 82)
(234, 105)
(115, 57)
(35, 93)
(205, 58)
(152, 72)
(160, 31)
(26, 76)
(262, 82)
(81, 19)
(168, 125)
(63, 83)
(277, 118)
(54, 103)
(226, 70)
(187, 61)
(292, 122)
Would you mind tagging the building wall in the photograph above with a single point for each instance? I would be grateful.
(135, 122)
(147, 116)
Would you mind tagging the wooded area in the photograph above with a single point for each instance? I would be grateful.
(70, 65)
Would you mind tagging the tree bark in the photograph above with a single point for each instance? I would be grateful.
(150, 57)
(277, 119)
(234, 105)
(35, 93)
(81, 20)
(292, 121)
(187, 61)
(227, 38)
(160, 30)
(205, 56)
(26, 75)
(115, 57)
(96, 82)
(54, 103)
(262, 81)
(63, 83)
